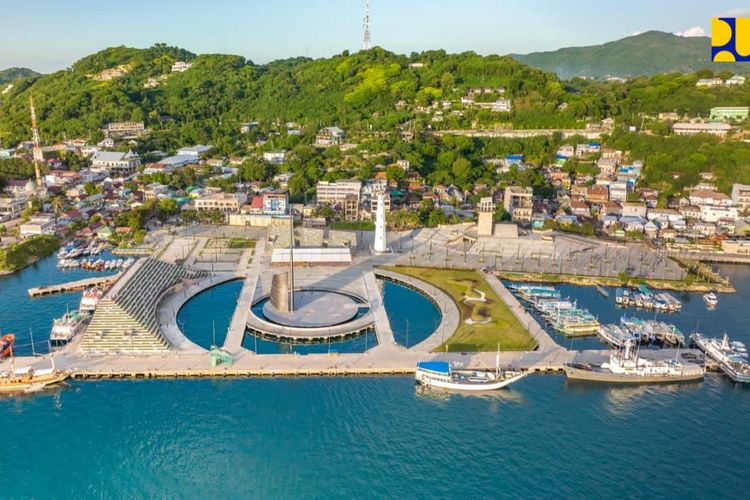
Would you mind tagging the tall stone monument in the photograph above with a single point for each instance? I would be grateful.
(380, 239)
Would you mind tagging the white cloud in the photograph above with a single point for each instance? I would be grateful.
(692, 31)
(636, 33)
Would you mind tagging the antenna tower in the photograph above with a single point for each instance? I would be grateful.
(366, 41)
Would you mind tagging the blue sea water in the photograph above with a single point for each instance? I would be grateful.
(381, 437)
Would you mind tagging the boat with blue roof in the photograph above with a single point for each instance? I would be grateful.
(441, 375)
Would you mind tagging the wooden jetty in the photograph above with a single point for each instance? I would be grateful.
(71, 286)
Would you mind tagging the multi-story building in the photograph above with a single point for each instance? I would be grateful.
(329, 136)
(180, 66)
(124, 129)
(723, 113)
(701, 197)
(275, 157)
(224, 202)
(519, 203)
(115, 162)
(618, 191)
(38, 225)
(10, 208)
(344, 194)
(196, 151)
(719, 129)
(275, 202)
(741, 196)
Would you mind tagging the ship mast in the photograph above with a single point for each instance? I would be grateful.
(38, 156)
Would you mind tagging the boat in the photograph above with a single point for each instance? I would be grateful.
(731, 356)
(6, 345)
(90, 300)
(603, 291)
(29, 379)
(626, 367)
(66, 327)
(615, 335)
(711, 299)
(441, 375)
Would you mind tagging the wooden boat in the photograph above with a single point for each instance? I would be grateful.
(28, 379)
(6, 345)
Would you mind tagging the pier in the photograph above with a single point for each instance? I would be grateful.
(72, 286)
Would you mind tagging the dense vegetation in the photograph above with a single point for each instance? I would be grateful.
(18, 255)
(648, 53)
(11, 74)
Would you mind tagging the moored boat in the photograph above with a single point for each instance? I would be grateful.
(66, 327)
(441, 375)
(626, 367)
(6, 345)
(603, 291)
(711, 299)
(90, 299)
(29, 379)
(731, 356)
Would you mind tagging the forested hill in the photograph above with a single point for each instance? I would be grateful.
(644, 54)
(376, 90)
(11, 74)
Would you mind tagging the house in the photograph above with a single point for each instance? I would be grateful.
(618, 191)
(155, 190)
(632, 223)
(597, 194)
(709, 197)
(329, 136)
(713, 213)
(124, 130)
(580, 209)
(634, 209)
(115, 162)
(196, 151)
(180, 66)
(718, 129)
(37, 225)
(170, 164)
(343, 194)
(276, 157)
(690, 212)
(275, 202)
(741, 196)
(735, 80)
(709, 82)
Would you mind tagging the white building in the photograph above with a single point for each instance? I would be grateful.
(618, 191)
(344, 194)
(711, 213)
(741, 196)
(196, 151)
(115, 162)
(709, 82)
(275, 157)
(702, 197)
(10, 208)
(329, 136)
(735, 80)
(720, 129)
(223, 202)
(38, 225)
(181, 66)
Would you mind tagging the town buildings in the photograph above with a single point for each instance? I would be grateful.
(719, 129)
(115, 162)
(343, 194)
(518, 202)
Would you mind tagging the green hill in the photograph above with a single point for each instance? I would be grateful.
(645, 54)
(373, 90)
(10, 74)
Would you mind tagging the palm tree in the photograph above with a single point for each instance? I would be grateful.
(58, 206)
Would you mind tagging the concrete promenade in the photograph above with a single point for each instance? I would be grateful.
(236, 333)
(380, 318)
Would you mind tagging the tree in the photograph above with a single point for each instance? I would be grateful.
(58, 206)
(90, 188)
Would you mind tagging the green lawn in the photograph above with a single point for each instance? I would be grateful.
(241, 243)
(503, 329)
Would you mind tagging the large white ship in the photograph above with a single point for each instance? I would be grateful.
(90, 300)
(66, 327)
(731, 356)
(626, 366)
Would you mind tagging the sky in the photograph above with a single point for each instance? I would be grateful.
(49, 35)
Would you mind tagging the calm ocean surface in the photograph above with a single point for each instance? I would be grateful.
(373, 437)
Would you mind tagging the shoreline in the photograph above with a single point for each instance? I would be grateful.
(678, 286)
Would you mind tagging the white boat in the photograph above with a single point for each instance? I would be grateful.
(66, 327)
(731, 356)
(711, 299)
(626, 366)
(90, 300)
(441, 375)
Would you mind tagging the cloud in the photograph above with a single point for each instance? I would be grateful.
(636, 33)
(742, 12)
(692, 31)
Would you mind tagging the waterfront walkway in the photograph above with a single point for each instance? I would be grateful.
(380, 318)
(70, 286)
(236, 333)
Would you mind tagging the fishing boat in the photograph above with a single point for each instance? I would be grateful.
(615, 335)
(731, 356)
(66, 327)
(90, 299)
(625, 366)
(603, 291)
(441, 375)
(29, 379)
(6, 345)
(711, 299)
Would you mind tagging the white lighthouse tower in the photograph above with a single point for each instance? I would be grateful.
(380, 241)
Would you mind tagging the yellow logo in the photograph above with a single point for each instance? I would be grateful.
(730, 39)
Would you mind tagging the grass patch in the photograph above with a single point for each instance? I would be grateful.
(503, 327)
(354, 226)
(241, 243)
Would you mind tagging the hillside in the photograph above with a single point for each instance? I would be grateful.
(645, 54)
(10, 74)
(208, 102)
